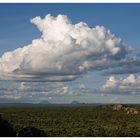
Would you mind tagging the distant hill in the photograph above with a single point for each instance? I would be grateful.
(75, 102)
(45, 102)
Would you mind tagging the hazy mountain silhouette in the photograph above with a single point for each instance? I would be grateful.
(74, 102)
(45, 102)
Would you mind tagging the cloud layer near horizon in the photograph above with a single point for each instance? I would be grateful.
(128, 85)
(63, 52)
(33, 91)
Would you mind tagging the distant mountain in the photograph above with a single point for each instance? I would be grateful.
(45, 102)
(74, 102)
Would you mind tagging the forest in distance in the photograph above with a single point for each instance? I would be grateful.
(75, 121)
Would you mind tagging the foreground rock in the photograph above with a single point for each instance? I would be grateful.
(31, 132)
(6, 129)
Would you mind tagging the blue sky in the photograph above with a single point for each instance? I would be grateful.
(16, 31)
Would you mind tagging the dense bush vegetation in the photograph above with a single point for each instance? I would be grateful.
(74, 121)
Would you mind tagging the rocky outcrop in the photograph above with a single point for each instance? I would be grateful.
(118, 107)
(128, 110)
(132, 111)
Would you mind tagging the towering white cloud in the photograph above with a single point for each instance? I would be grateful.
(63, 52)
(128, 85)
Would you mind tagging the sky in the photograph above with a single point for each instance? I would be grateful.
(65, 52)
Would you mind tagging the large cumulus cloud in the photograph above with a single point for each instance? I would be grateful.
(63, 52)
